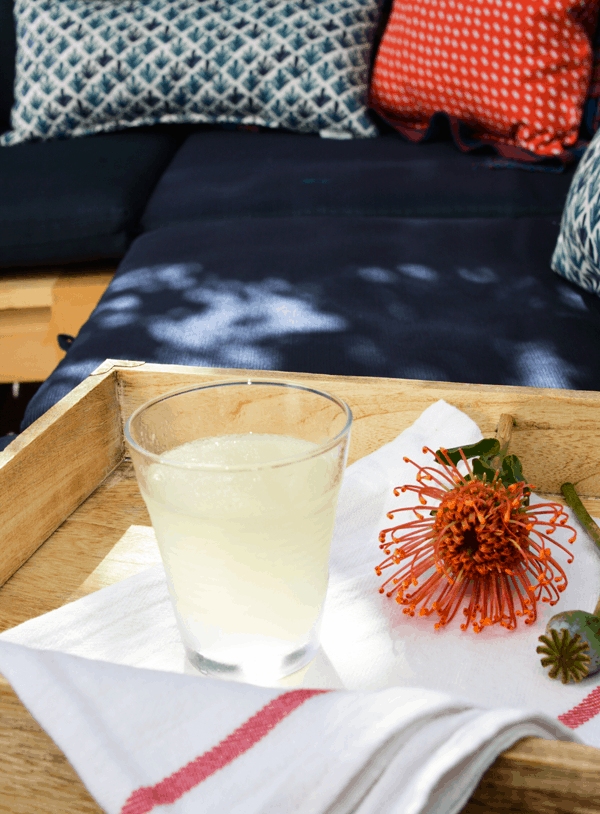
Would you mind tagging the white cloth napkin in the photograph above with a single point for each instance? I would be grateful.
(418, 714)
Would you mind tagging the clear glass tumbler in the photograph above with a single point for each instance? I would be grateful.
(241, 481)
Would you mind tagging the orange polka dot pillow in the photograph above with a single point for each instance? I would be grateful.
(517, 73)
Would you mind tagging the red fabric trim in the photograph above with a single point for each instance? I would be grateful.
(170, 789)
(584, 711)
(419, 133)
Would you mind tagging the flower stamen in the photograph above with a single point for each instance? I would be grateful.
(482, 544)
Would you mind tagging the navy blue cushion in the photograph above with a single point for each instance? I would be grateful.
(245, 174)
(8, 50)
(438, 299)
(5, 440)
(79, 199)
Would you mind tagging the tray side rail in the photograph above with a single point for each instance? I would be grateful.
(556, 433)
(535, 774)
(52, 467)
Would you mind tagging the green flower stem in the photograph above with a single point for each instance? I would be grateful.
(581, 513)
(503, 434)
(505, 429)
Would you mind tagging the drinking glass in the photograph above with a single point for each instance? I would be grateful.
(241, 480)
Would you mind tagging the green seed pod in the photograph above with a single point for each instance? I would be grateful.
(571, 645)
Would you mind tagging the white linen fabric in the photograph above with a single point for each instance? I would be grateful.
(414, 718)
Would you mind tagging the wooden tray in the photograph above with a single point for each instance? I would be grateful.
(72, 521)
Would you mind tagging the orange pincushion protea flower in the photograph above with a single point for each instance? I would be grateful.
(479, 542)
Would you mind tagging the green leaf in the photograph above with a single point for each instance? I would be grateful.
(482, 468)
(489, 462)
(512, 471)
(487, 446)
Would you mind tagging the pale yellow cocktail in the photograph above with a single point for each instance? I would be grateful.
(244, 522)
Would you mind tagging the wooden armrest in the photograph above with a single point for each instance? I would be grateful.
(38, 304)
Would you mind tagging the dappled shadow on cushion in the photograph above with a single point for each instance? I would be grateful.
(449, 300)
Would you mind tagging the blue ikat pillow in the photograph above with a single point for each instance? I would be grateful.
(91, 66)
(577, 252)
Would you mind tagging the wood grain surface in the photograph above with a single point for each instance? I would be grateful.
(49, 469)
(70, 482)
(36, 305)
(556, 433)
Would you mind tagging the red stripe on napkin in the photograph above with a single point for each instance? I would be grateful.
(239, 741)
(584, 711)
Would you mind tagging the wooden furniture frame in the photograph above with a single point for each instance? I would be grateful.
(36, 305)
(73, 521)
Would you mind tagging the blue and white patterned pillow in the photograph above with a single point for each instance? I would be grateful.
(91, 66)
(577, 252)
